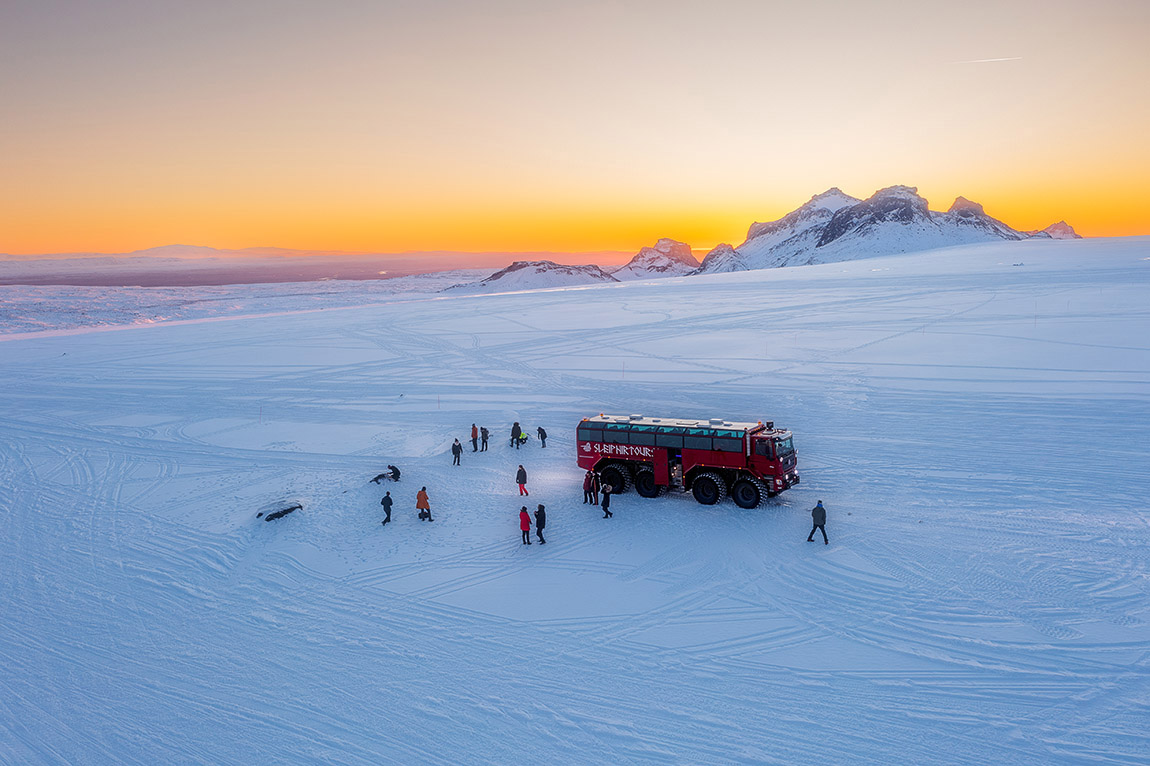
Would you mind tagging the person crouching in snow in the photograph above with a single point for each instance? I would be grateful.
(521, 480)
(422, 505)
(525, 525)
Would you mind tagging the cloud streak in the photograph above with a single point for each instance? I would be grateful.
(989, 61)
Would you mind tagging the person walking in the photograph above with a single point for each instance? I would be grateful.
(588, 496)
(483, 434)
(607, 502)
(474, 438)
(542, 436)
(456, 452)
(422, 505)
(521, 480)
(819, 516)
(596, 485)
(525, 525)
(540, 522)
(515, 433)
(386, 503)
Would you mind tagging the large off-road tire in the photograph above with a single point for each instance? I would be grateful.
(645, 483)
(748, 492)
(616, 476)
(708, 488)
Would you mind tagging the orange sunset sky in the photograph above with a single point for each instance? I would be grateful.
(478, 126)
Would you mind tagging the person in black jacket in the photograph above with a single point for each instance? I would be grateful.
(483, 434)
(515, 432)
(819, 516)
(540, 522)
(607, 501)
(542, 436)
(386, 503)
(456, 451)
(521, 480)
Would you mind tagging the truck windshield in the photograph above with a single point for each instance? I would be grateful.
(784, 447)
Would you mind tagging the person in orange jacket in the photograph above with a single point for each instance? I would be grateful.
(422, 505)
(525, 525)
(474, 438)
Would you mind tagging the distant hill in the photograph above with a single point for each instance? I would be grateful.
(668, 258)
(534, 275)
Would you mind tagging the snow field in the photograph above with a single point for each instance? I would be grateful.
(976, 430)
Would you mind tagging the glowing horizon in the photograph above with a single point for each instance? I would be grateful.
(514, 127)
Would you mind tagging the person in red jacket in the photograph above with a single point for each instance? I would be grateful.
(474, 438)
(525, 525)
(588, 495)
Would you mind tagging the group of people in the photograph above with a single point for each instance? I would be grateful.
(525, 524)
(422, 506)
(593, 486)
(480, 435)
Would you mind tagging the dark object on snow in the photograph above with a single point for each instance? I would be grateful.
(281, 513)
(516, 434)
(483, 434)
(391, 473)
(542, 436)
(819, 516)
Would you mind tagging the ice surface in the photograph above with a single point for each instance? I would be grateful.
(974, 419)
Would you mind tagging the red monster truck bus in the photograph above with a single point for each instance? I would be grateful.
(711, 458)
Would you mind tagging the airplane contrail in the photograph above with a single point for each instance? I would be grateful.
(989, 61)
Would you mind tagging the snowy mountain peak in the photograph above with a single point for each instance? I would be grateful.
(535, 275)
(721, 258)
(668, 258)
(832, 199)
(834, 226)
(963, 206)
(1060, 230)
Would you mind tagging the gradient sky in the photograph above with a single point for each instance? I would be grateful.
(390, 126)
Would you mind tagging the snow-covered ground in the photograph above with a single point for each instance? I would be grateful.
(49, 308)
(975, 420)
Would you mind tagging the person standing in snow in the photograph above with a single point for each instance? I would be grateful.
(540, 522)
(588, 495)
(515, 432)
(474, 438)
(386, 503)
(525, 525)
(819, 516)
(542, 437)
(483, 434)
(607, 502)
(596, 484)
(456, 452)
(521, 480)
(423, 505)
